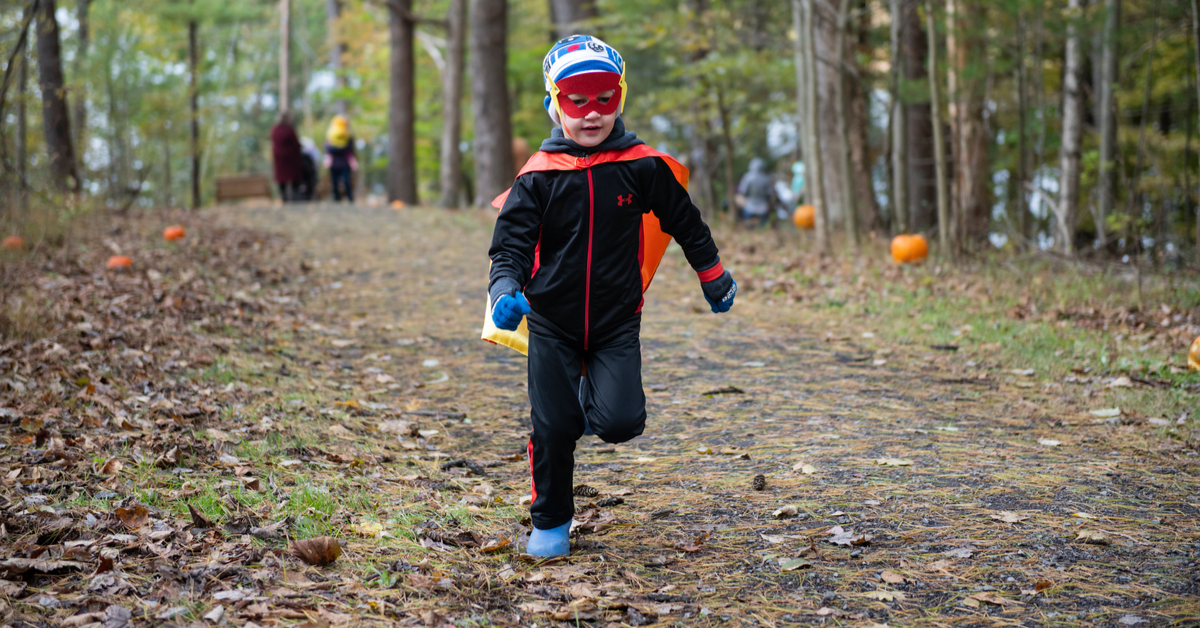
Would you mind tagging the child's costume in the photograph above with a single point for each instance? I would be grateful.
(576, 243)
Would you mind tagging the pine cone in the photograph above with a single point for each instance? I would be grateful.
(583, 490)
(760, 482)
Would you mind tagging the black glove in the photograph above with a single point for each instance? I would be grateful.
(720, 292)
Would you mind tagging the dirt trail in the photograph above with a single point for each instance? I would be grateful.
(959, 501)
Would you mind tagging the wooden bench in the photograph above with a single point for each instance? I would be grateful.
(239, 186)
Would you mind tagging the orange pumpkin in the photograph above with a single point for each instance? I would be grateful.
(805, 216)
(907, 249)
(397, 204)
(173, 233)
(1194, 355)
(13, 243)
(119, 261)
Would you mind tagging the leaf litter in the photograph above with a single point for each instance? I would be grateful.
(214, 439)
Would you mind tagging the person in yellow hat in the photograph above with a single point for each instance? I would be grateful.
(339, 158)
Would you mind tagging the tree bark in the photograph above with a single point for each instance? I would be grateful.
(1196, 52)
(569, 15)
(825, 34)
(402, 167)
(1108, 122)
(969, 137)
(727, 135)
(920, 189)
(869, 215)
(939, 144)
(899, 125)
(1135, 183)
(333, 10)
(489, 99)
(194, 97)
(285, 53)
(814, 171)
(1022, 174)
(79, 119)
(700, 182)
(22, 139)
(167, 200)
(56, 121)
(452, 89)
(843, 112)
(1069, 153)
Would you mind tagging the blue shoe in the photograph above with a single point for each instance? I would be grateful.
(550, 543)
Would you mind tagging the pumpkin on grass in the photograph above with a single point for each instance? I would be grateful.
(13, 243)
(805, 216)
(1194, 355)
(907, 249)
(119, 261)
(173, 233)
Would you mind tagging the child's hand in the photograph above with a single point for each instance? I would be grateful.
(720, 292)
(509, 310)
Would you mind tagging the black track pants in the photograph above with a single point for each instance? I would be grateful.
(611, 395)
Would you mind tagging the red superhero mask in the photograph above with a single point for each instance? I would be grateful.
(591, 85)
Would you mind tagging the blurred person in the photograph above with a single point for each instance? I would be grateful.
(285, 148)
(339, 158)
(758, 189)
(309, 168)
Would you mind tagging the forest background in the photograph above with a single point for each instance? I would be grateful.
(1038, 154)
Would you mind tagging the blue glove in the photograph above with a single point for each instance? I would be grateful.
(720, 292)
(509, 310)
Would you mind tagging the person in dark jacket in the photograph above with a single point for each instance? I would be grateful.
(569, 254)
(285, 148)
(339, 158)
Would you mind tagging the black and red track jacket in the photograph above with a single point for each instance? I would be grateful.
(572, 238)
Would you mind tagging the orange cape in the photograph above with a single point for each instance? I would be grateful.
(653, 241)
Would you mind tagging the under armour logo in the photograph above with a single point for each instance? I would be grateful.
(624, 201)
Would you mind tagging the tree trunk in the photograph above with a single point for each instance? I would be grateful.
(1069, 153)
(79, 119)
(1135, 182)
(489, 99)
(1022, 174)
(333, 10)
(899, 125)
(1108, 121)
(920, 189)
(727, 135)
(939, 144)
(825, 36)
(569, 16)
(969, 136)
(194, 97)
(56, 122)
(814, 171)
(869, 215)
(1196, 51)
(285, 53)
(402, 167)
(22, 138)
(167, 200)
(843, 112)
(451, 166)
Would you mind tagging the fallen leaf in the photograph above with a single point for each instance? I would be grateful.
(805, 468)
(785, 512)
(319, 551)
(1084, 515)
(1009, 517)
(892, 577)
(368, 528)
(112, 466)
(133, 518)
(13, 567)
(1042, 585)
(1093, 537)
(894, 462)
(1049, 442)
(491, 547)
(792, 564)
(198, 518)
(1132, 620)
(885, 596)
(215, 615)
(961, 552)
(1107, 413)
(1121, 382)
(848, 538)
(989, 598)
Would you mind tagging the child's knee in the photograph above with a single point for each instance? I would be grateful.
(621, 427)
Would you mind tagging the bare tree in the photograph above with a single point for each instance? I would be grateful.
(899, 124)
(964, 45)
(1072, 135)
(79, 119)
(939, 143)
(869, 215)
(402, 167)
(194, 98)
(489, 99)
(452, 89)
(1196, 49)
(843, 112)
(56, 122)
(569, 15)
(285, 53)
(22, 138)
(807, 104)
(1108, 122)
(920, 189)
